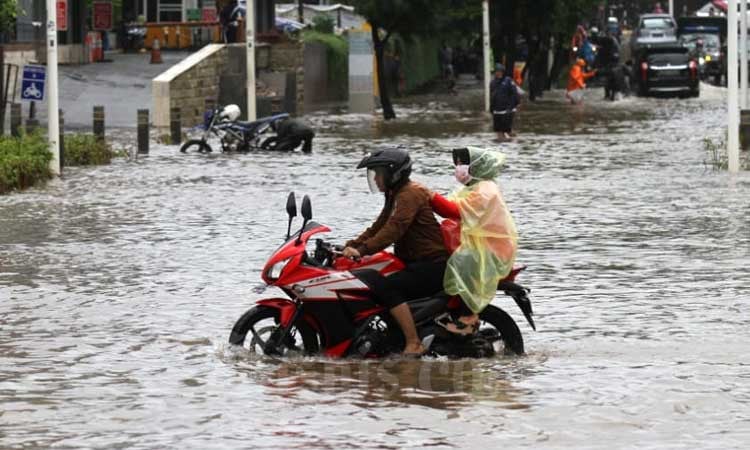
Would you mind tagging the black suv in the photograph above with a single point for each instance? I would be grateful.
(666, 68)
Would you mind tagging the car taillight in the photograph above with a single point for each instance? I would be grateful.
(693, 68)
(644, 70)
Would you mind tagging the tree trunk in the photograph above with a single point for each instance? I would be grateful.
(2, 87)
(385, 100)
(301, 11)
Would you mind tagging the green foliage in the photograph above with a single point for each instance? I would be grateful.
(85, 149)
(337, 51)
(418, 58)
(404, 17)
(8, 11)
(322, 23)
(24, 161)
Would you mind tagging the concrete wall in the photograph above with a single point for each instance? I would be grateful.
(187, 85)
(218, 71)
(316, 75)
(290, 57)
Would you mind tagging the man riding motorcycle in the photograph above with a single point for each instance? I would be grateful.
(407, 222)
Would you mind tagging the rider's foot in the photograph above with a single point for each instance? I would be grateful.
(413, 349)
(472, 320)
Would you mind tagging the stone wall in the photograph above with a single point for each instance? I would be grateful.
(188, 84)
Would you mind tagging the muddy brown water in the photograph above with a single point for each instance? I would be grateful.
(119, 286)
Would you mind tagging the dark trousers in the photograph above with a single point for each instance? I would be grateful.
(289, 143)
(502, 123)
(417, 280)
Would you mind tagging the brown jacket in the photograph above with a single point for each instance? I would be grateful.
(408, 223)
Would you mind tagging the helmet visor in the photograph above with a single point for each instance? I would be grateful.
(376, 179)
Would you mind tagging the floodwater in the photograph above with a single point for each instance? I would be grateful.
(120, 284)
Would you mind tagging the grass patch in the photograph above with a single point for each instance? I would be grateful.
(24, 161)
(717, 157)
(86, 150)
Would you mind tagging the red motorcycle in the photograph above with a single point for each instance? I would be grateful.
(330, 310)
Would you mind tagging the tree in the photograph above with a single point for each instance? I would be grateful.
(8, 11)
(405, 17)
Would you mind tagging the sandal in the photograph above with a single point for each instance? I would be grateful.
(456, 326)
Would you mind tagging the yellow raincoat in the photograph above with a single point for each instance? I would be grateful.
(488, 234)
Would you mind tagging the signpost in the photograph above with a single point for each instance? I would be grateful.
(32, 83)
(733, 107)
(62, 15)
(208, 14)
(102, 16)
(53, 124)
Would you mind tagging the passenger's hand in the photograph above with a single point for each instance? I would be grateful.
(352, 253)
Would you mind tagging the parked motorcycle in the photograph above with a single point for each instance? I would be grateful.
(233, 135)
(330, 310)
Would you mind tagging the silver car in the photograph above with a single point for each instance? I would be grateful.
(654, 29)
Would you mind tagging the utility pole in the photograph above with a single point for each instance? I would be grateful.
(733, 140)
(671, 8)
(53, 124)
(250, 40)
(743, 54)
(486, 52)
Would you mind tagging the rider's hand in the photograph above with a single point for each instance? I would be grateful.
(352, 253)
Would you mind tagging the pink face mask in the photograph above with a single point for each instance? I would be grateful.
(462, 173)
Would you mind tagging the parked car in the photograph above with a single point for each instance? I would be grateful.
(653, 29)
(666, 68)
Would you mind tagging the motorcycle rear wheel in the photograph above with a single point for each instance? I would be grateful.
(195, 145)
(264, 321)
(506, 326)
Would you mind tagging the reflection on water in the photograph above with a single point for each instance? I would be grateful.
(119, 286)
(440, 384)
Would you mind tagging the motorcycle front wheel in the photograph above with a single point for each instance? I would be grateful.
(195, 146)
(260, 324)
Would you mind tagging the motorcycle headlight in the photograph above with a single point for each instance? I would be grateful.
(708, 58)
(274, 273)
(701, 61)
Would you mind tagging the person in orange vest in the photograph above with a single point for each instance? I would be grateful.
(577, 81)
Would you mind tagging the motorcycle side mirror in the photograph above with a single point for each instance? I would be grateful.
(291, 210)
(306, 208)
(291, 205)
(306, 214)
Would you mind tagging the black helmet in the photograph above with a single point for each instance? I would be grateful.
(394, 161)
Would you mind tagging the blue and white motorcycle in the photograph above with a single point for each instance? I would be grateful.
(233, 135)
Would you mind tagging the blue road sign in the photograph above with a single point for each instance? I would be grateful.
(32, 83)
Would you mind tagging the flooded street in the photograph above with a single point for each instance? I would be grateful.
(120, 284)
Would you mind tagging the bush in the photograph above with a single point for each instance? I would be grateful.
(322, 24)
(24, 161)
(85, 149)
(337, 51)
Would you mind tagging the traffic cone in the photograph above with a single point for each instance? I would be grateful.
(156, 53)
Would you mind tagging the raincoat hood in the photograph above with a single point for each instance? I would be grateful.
(485, 164)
